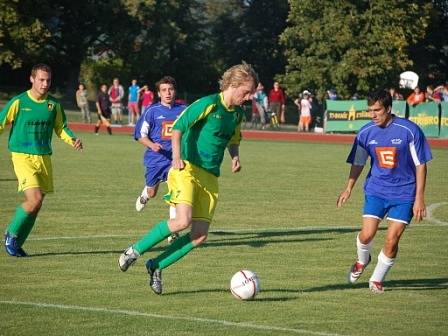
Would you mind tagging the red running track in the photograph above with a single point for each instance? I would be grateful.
(269, 135)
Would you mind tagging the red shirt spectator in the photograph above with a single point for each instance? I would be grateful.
(416, 97)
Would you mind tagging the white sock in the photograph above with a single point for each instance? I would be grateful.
(382, 267)
(172, 212)
(363, 251)
(144, 193)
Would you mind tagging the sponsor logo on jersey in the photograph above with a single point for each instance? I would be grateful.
(167, 130)
(373, 142)
(387, 157)
(396, 141)
(25, 109)
(161, 117)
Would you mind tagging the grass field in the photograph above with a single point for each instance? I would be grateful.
(277, 218)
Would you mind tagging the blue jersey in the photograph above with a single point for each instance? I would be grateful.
(394, 153)
(133, 93)
(156, 123)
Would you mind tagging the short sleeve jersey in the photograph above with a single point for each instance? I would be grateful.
(33, 123)
(395, 151)
(207, 127)
(156, 123)
(133, 93)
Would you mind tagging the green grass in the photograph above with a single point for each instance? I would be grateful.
(277, 218)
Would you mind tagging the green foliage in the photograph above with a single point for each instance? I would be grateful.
(21, 35)
(353, 46)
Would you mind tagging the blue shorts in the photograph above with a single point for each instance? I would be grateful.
(156, 174)
(396, 210)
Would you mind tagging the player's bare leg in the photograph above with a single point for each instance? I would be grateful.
(386, 258)
(364, 242)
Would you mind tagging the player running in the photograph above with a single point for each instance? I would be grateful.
(394, 186)
(200, 136)
(153, 130)
(34, 115)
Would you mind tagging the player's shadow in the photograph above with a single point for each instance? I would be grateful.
(262, 238)
(410, 284)
(264, 296)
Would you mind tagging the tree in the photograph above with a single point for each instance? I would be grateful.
(20, 35)
(353, 46)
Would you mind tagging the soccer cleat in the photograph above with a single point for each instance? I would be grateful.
(376, 287)
(172, 237)
(127, 258)
(11, 246)
(155, 277)
(356, 270)
(140, 203)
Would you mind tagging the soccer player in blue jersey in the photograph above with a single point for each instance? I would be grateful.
(201, 135)
(394, 186)
(153, 130)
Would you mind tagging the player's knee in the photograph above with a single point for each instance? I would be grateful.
(181, 223)
(365, 237)
(34, 204)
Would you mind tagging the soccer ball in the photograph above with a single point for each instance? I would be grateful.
(244, 285)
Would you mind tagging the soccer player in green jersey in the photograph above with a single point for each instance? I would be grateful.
(200, 137)
(34, 115)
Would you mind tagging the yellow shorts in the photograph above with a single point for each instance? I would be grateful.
(33, 171)
(196, 187)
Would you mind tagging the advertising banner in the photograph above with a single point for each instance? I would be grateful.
(444, 120)
(426, 115)
(399, 108)
(346, 115)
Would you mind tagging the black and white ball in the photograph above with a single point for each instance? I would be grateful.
(244, 285)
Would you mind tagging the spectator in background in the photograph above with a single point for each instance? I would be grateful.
(277, 102)
(83, 103)
(395, 94)
(332, 95)
(133, 110)
(103, 109)
(147, 97)
(305, 111)
(444, 91)
(433, 95)
(116, 94)
(416, 97)
(260, 101)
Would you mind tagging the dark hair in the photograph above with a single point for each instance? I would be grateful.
(40, 66)
(166, 80)
(381, 96)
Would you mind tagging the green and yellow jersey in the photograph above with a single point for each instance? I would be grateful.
(208, 127)
(33, 122)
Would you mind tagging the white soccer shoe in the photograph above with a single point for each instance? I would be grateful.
(356, 271)
(376, 287)
(127, 258)
(140, 203)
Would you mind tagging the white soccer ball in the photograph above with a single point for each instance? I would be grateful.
(244, 285)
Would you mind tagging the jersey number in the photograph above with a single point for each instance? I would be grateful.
(167, 130)
(387, 157)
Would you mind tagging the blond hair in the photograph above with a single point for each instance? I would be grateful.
(238, 75)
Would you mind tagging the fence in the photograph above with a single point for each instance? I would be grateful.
(350, 115)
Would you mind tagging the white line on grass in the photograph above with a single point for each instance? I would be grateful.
(430, 211)
(168, 317)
